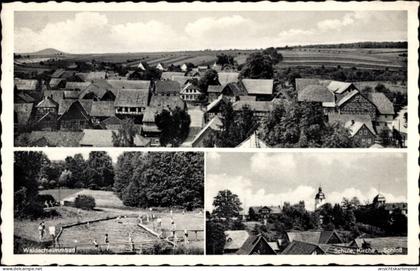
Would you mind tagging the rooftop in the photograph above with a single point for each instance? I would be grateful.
(258, 86)
(132, 98)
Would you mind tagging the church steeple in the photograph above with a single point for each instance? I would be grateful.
(319, 198)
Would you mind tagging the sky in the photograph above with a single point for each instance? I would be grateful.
(274, 178)
(153, 31)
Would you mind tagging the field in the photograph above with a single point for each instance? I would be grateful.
(110, 206)
(380, 58)
(359, 58)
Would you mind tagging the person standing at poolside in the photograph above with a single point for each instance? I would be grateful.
(95, 243)
(186, 242)
(41, 229)
(173, 229)
(106, 240)
(130, 242)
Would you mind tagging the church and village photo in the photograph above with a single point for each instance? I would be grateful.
(306, 203)
(211, 79)
(81, 202)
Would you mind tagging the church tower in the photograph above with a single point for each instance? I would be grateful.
(319, 198)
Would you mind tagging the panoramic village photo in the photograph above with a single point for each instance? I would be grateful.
(306, 203)
(81, 202)
(302, 79)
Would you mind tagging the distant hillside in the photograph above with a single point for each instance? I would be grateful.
(46, 52)
(365, 44)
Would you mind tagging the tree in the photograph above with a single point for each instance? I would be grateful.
(252, 215)
(84, 202)
(215, 237)
(226, 205)
(174, 126)
(337, 136)
(76, 165)
(224, 59)
(258, 66)
(210, 77)
(27, 166)
(275, 56)
(65, 178)
(236, 126)
(291, 124)
(126, 134)
(160, 179)
(99, 171)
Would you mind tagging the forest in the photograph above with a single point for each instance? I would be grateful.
(160, 179)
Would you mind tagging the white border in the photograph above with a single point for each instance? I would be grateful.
(7, 139)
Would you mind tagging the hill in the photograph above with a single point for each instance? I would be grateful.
(47, 52)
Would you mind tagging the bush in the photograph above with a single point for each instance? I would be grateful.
(41, 199)
(84, 202)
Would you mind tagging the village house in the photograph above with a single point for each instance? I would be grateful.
(215, 107)
(77, 85)
(380, 201)
(214, 125)
(228, 77)
(111, 123)
(57, 83)
(213, 92)
(261, 109)
(167, 88)
(71, 94)
(21, 97)
(27, 85)
(69, 76)
(53, 138)
(184, 67)
(362, 133)
(264, 212)
(302, 248)
(171, 75)
(56, 95)
(149, 127)
(74, 115)
(240, 242)
(160, 67)
(385, 111)
(102, 110)
(46, 114)
(131, 101)
(308, 242)
(234, 91)
(253, 141)
(191, 93)
(156, 106)
(98, 92)
(262, 89)
(103, 138)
